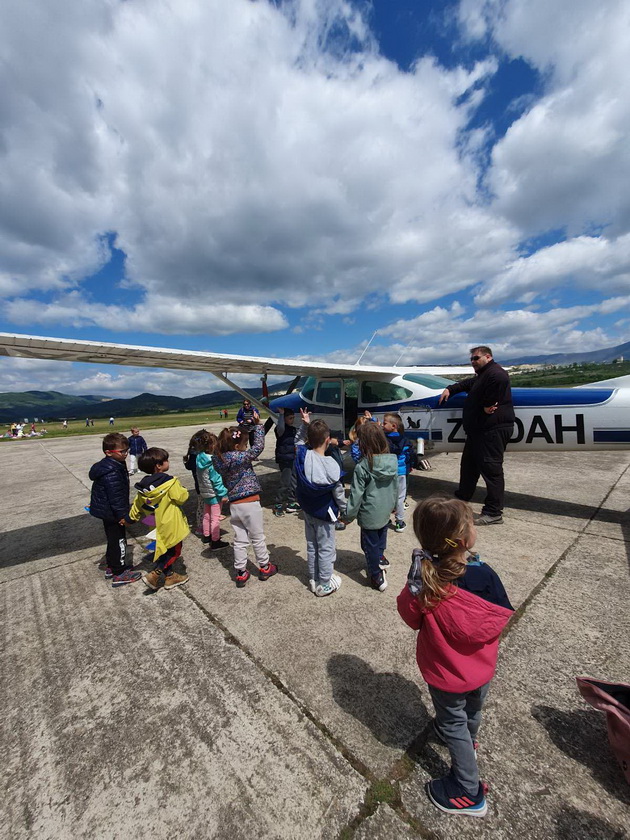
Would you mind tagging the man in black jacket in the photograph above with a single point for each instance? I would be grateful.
(488, 418)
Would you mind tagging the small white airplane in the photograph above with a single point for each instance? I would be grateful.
(593, 417)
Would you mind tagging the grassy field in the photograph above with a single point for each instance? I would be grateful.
(123, 424)
(567, 377)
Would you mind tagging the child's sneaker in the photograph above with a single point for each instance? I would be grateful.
(329, 587)
(242, 576)
(205, 539)
(175, 580)
(406, 504)
(312, 585)
(449, 796)
(265, 572)
(108, 574)
(278, 510)
(383, 563)
(217, 545)
(153, 579)
(379, 582)
(399, 525)
(128, 576)
(293, 507)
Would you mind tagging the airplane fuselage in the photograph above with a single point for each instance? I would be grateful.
(547, 419)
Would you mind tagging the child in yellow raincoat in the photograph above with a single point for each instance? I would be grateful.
(162, 496)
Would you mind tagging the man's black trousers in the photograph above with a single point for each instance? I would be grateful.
(483, 456)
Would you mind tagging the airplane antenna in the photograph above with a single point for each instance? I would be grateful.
(403, 353)
(358, 361)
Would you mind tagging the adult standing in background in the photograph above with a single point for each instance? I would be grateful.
(111, 421)
(488, 418)
(249, 418)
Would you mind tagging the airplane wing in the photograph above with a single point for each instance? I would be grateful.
(100, 353)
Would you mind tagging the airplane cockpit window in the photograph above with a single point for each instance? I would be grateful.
(428, 380)
(376, 392)
(308, 389)
(329, 393)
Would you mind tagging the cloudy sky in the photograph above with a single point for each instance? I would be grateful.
(284, 177)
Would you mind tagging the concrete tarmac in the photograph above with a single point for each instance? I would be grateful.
(212, 712)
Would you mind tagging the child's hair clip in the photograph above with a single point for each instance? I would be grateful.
(236, 434)
(450, 542)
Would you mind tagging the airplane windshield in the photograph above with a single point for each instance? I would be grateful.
(428, 380)
(308, 389)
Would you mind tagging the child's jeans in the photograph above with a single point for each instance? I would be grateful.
(402, 495)
(321, 552)
(116, 553)
(247, 522)
(286, 491)
(373, 545)
(211, 514)
(166, 561)
(457, 717)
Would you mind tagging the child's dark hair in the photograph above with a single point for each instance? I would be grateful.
(317, 432)
(442, 526)
(392, 417)
(230, 438)
(204, 441)
(372, 441)
(151, 459)
(114, 441)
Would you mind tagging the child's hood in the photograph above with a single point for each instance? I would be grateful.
(467, 618)
(203, 460)
(155, 486)
(383, 468)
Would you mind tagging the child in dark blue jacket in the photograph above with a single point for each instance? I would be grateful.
(285, 458)
(402, 448)
(110, 503)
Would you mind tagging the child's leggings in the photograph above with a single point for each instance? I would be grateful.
(402, 495)
(166, 561)
(211, 514)
(199, 515)
(247, 522)
(457, 719)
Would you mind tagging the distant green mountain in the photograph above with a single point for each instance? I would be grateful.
(52, 405)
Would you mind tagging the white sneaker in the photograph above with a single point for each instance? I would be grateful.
(329, 587)
(312, 585)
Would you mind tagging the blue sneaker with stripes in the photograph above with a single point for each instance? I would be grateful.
(449, 796)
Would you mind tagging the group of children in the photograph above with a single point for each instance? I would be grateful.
(456, 602)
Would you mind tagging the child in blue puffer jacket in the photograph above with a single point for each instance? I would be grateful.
(402, 448)
(110, 503)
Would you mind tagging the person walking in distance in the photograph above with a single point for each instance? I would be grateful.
(488, 417)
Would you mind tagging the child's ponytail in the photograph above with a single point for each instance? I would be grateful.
(442, 527)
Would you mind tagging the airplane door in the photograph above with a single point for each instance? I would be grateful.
(329, 405)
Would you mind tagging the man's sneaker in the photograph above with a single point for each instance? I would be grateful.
(153, 579)
(379, 582)
(487, 519)
(449, 796)
(383, 563)
(108, 574)
(399, 526)
(293, 507)
(329, 587)
(175, 580)
(217, 545)
(340, 525)
(128, 576)
(265, 572)
(242, 576)
(440, 737)
(278, 510)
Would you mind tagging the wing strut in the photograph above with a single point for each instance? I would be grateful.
(258, 403)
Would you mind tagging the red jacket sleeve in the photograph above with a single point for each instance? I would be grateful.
(409, 609)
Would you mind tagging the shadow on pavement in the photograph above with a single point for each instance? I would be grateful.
(582, 735)
(572, 824)
(388, 704)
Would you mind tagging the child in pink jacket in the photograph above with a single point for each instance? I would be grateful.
(459, 608)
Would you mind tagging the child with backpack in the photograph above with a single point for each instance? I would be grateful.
(459, 608)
